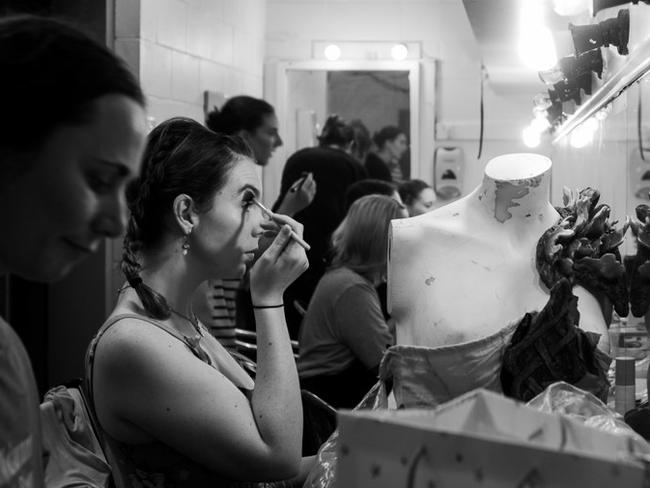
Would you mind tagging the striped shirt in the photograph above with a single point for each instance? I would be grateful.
(221, 302)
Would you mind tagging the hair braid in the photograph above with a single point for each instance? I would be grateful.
(142, 194)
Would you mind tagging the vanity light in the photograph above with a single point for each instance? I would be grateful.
(531, 136)
(540, 123)
(603, 113)
(584, 133)
(615, 32)
(399, 52)
(580, 138)
(332, 52)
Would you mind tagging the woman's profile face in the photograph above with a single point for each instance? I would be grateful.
(265, 139)
(72, 195)
(423, 203)
(226, 237)
(397, 146)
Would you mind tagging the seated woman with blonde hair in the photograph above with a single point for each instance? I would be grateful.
(175, 409)
(344, 333)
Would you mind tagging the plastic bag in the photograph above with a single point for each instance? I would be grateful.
(323, 473)
(570, 401)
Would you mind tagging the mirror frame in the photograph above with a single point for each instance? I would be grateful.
(422, 78)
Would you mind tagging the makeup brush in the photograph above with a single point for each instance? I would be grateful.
(271, 215)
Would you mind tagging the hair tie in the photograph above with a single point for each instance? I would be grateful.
(134, 282)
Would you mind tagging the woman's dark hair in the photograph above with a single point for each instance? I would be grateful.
(50, 74)
(410, 190)
(362, 140)
(181, 156)
(239, 113)
(335, 131)
(388, 133)
(368, 186)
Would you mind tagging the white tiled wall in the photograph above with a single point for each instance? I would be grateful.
(442, 28)
(180, 48)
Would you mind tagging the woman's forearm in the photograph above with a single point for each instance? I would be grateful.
(276, 399)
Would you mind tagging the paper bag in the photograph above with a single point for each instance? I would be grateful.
(481, 439)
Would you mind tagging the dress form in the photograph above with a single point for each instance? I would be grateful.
(466, 270)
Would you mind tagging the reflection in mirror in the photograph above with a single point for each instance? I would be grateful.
(377, 98)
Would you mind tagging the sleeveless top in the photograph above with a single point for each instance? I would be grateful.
(155, 464)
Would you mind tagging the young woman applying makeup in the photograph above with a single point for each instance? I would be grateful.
(175, 407)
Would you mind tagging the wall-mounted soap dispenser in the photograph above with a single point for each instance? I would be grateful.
(448, 170)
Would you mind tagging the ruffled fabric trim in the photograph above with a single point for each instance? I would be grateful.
(583, 248)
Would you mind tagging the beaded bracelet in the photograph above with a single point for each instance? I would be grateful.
(268, 306)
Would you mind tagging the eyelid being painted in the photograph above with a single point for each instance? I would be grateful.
(247, 198)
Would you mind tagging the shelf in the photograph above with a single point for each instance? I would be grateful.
(637, 64)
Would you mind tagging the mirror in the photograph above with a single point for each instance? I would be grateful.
(379, 93)
(377, 98)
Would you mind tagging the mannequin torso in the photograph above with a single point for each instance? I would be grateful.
(466, 270)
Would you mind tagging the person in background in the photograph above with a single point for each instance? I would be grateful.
(173, 404)
(374, 187)
(219, 300)
(62, 184)
(334, 169)
(384, 162)
(418, 197)
(369, 186)
(344, 333)
(362, 140)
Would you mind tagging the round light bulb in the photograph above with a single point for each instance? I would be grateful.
(530, 136)
(603, 113)
(399, 52)
(540, 123)
(580, 137)
(332, 52)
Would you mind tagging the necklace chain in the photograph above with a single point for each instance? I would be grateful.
(195, 322)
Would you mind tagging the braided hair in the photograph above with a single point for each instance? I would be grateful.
(181, 156)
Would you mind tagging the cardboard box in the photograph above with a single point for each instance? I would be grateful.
(480, 439)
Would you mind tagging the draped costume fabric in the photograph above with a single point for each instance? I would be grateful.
(428, 376)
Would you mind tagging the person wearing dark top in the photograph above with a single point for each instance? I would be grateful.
(369, 186)
(384, 163)
(71, 137)
(334, 170)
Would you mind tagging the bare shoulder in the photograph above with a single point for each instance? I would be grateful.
(132, 342)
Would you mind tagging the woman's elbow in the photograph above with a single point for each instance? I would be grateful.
(286, 466)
